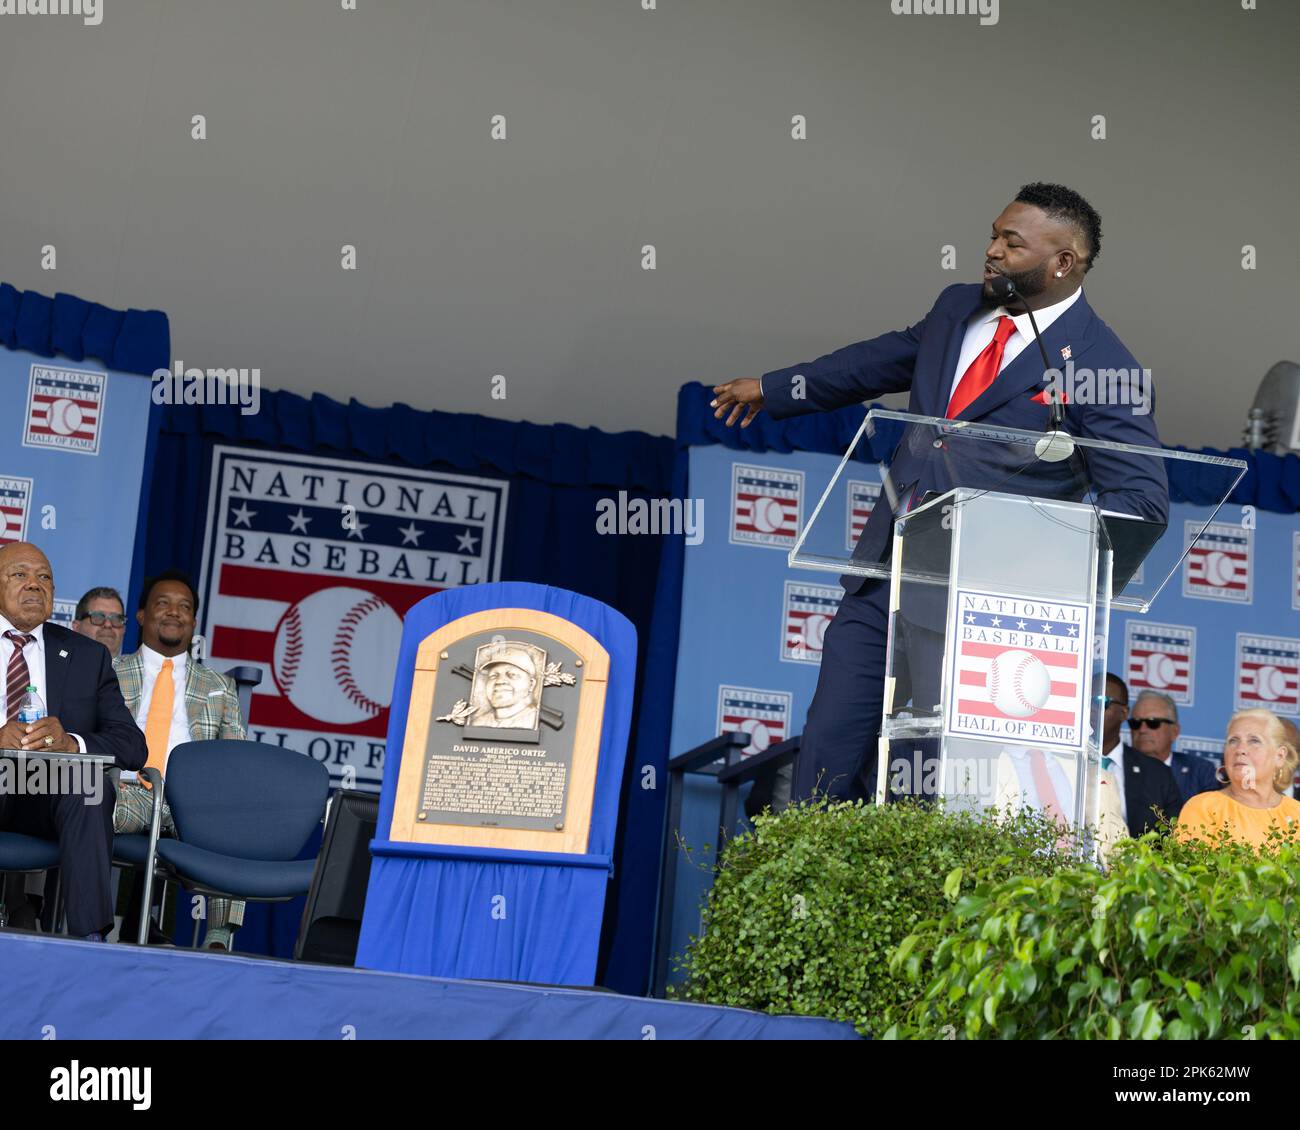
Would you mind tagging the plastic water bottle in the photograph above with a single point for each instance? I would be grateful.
(31, 709)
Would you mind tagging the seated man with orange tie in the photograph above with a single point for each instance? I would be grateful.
(174, 699)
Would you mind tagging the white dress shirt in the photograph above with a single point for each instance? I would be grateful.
(983, 324)
(34, 653)
(180, 727)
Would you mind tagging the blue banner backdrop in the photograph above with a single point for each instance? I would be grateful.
(556, 475)
(1213, 648)
(77, 445)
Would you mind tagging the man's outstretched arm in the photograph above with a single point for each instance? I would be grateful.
(848, 376)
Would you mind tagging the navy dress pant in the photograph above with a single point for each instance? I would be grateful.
(838, 752)
(85, 835)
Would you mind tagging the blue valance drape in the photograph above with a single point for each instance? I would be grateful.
(130, 341)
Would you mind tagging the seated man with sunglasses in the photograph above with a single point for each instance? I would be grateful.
(1147, 789)
(1154, 725)
(101, 615)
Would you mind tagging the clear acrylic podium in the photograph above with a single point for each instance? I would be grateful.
(1005, 551)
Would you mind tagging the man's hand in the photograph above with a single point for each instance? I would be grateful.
(32, 735)
(744, 395)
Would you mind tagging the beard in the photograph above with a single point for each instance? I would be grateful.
(1029, 284)
(171, 637)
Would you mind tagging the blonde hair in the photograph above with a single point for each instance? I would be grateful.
(1276, 733)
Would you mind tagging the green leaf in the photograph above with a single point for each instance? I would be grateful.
(952, 884)
(969, 905)
(1145, 1023)
(991, 1009)
(905, 947)
(1065, 965)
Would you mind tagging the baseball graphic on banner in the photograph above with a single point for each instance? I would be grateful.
(757, 730)
(1220, 569)
(315, 642)
(1269, 683)
(814, 631)
(1019, 683)
(1160, 671)
(65, 417)
(768, 515)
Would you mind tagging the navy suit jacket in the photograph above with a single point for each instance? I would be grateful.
(1148, 782)
(1194, 774)
(82, 693)
(923, 359)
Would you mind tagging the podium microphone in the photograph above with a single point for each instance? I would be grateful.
(1056, 445)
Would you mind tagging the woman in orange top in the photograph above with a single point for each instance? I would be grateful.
(1260, 764)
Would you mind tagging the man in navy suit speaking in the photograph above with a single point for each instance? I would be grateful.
(969, 358)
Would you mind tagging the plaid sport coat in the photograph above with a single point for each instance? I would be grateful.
(211, 699)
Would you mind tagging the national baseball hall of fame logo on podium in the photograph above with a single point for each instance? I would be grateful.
(1019, 669)
(503, 734)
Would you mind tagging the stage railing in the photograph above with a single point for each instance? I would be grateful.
(721, 759)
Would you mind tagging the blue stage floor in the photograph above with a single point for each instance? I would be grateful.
(124, 992)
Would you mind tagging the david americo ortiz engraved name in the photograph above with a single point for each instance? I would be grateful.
(512, 750)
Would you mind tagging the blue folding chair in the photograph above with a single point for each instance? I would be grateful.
(243, 811)
(21, 855)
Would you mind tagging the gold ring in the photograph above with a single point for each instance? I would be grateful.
(49, 740)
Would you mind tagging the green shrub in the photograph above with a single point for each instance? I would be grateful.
(1176, 941)
(806, 910)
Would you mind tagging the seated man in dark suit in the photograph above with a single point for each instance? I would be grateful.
(1154, 727)
(1147, 787)
(84, 713)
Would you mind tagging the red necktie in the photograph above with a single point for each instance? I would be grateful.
(983, 370)
(18, 676)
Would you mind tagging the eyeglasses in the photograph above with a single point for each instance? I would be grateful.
(1107, 703)
(99, 619)
(1154, 723)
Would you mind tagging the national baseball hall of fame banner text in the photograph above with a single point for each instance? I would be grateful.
(309, 566)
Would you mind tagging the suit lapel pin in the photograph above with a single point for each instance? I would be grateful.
(1065, 353)
(63, 655)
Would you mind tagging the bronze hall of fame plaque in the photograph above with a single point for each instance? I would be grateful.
(503, 734)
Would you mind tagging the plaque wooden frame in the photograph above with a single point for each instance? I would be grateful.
(572, 839)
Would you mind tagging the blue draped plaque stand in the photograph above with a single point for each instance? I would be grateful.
(493, 913)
